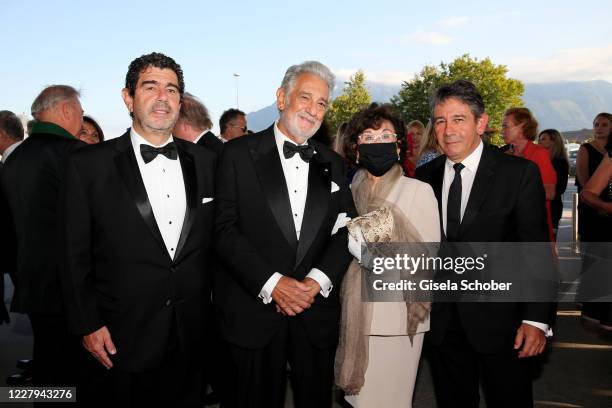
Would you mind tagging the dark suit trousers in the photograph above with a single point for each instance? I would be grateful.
(457, 370)
(176, 382)
(56, 352)
(258, 378)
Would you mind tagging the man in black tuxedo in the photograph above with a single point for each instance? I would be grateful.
(31, 179)
(194, 124)
(483, 196)
(138, 214)
(282, 204)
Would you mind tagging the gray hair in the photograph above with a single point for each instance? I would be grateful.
(51, 96)
(308, 67)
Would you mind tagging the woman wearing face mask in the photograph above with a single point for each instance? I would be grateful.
(380, 342)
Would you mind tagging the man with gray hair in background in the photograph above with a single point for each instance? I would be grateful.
(194, 124)
(282, 202)
(31, 181)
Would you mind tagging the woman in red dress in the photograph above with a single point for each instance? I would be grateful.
(519, 129)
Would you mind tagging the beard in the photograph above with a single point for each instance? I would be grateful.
(292, 122)
(156, 124)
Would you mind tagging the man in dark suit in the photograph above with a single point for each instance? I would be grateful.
(31, 180)
(194, 124)
(280, 196)
(483, 196)
(233, 124)
(6, 224)
(11, 136)
(138, 216)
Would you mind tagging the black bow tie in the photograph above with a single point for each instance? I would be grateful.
(306, 151)
(149, 152)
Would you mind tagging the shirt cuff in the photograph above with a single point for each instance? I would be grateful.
(268, 287)
(322, 280)
(542, 326)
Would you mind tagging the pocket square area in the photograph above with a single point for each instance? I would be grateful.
(207, 200)
(341, 222)
(334, 187)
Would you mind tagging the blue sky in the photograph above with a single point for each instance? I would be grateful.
(89, 45)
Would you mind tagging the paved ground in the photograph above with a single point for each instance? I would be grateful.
(575, 372)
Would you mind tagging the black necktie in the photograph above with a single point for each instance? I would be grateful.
(453, 205)
(149, 152)
(305, 151)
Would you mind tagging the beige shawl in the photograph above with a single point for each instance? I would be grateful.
(356, 318)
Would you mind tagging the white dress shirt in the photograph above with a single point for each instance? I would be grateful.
(468, 173)
(163, 180)
(296, 176)
(10, 150)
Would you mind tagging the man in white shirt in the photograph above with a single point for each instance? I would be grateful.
(194, 124)
(138, 215)
(280, 195)
(485, 196)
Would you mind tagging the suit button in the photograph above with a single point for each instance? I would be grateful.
(172, 269)
(168, 302)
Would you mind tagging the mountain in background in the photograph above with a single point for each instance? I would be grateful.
(568, 105)
(561, 105)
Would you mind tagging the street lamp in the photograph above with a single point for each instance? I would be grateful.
(237, 75)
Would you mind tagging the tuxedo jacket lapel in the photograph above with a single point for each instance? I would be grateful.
(437, 181)
(317, 202)
(270, 173)
(482, 181)
(127, 166)
(191, 193)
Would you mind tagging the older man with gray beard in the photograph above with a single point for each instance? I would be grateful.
(280, 197)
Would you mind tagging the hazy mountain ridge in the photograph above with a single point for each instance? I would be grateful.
(561, 105)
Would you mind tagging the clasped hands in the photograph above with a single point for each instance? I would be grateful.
(292, 297)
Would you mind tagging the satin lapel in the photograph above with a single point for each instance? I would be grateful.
(436, 183)
(480, 188)
(317, 202)
(191, 195)
(272, 180)
(126, 164)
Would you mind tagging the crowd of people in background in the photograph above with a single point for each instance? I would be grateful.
(169, 260)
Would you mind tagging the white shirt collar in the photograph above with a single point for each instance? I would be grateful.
(10, 150)
(138, 140)
(471, 162)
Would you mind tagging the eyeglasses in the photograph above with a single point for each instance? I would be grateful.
(243, 128)
(372, 138)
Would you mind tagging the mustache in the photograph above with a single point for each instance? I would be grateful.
(307, 116)
(160, 105)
